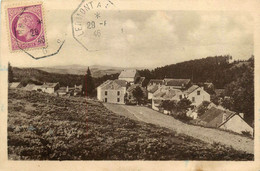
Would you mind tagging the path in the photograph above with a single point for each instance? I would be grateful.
(208, 135)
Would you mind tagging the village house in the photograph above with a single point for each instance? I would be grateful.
(196, 95)
(62, 91)
(177, 83)
(165, 93)
(129, 75)
(112, 91)
(224, 119)
(156, 82)
(50, 87)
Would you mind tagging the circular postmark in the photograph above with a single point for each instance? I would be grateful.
(93, 25)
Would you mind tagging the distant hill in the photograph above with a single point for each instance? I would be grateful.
(96, 70)
(36, 76)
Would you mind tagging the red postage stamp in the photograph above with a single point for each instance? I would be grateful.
(26, 27)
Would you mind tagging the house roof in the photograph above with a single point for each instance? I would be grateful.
(49, 85)
(152, 88)
(15, 84)
(176, 82)
(191, 89)
(166, 93)
(156, 81)
(128, 73)
(29, 86)
(214, 116)
(114, 84)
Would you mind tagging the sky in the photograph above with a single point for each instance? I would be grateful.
(139, 38)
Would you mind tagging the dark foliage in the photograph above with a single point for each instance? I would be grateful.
(88, 84)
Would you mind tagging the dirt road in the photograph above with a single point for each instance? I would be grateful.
(205, 134)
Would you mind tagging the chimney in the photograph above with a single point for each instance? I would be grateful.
(242, 115)
(67, 90)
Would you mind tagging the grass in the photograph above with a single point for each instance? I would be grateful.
(45, 127)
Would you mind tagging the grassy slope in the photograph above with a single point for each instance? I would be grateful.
(43, 127)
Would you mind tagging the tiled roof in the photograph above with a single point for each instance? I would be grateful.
(128, 73)
(191, 89)
(114, 84)
(176, 82)
(152, 89)
(214, 116)
(29, 86)
(156, 81)
(166, 93)
(15, 84)
(49, 85)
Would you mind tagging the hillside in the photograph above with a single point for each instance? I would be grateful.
(45, 127)
(217, 70)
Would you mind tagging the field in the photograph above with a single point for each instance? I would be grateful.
(45, 127)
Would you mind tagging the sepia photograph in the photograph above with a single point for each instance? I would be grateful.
(93, 81)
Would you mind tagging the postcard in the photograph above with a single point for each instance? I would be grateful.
(129, 85)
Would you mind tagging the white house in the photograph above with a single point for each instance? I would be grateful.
(50, 87)
(129, 75)
(237, 124)
(196, 95)
(224, 119)
(112, 91)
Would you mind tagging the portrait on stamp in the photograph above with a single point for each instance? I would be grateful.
(26, 27)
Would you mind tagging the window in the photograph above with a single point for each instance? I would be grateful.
(105, 99)
(118, 93)
(180, 96)
(198, 92)
(105, 93)
(193, 99)
(118, 99)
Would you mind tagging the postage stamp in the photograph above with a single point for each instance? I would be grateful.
(26, 27)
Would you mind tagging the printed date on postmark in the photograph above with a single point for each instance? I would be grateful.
(26, 27)
(92, 23)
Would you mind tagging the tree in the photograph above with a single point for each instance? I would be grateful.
(241, 92)
(10, 73)
(203, 108)
(169, 105)
(88, 84)
(184, 104)
(138, 94)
